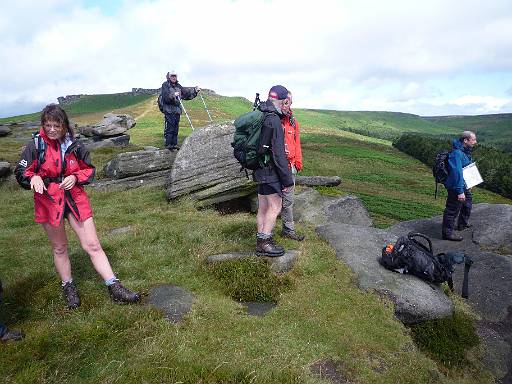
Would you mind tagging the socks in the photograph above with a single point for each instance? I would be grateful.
(65, 282)
(263, 236)
(111, 281)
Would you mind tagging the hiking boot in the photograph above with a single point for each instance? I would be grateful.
(11, 335)
(120, 294)
(292, 235)
(452, 237)
(462, 227)
(268, 247)
(70, 294)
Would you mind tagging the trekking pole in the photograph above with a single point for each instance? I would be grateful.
(186, 114)
(465, 283)
(205, 107)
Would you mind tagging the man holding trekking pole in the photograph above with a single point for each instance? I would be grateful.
(172, 94)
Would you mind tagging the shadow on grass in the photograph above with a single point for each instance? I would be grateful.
(22, 299)
(447, 340)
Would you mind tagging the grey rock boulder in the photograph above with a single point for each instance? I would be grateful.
(488, 243)
(360, 247)
(314, 181)
(205, 168)
(139, 162)
(111, 125)
(152, 179)
(312, 207)
(4, 130)
(98, 142)
(280, 264)
(173, 300)
(493, 227)
(5, 168)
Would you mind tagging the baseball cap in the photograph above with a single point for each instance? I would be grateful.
(278, 92)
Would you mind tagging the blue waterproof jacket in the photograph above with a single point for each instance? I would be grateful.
(459, 157)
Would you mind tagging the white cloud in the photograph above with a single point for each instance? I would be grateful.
(343, 54)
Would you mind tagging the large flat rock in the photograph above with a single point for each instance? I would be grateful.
(205, 168)
(135, 163)
(360, 247)
(489, 243)
(312, 207)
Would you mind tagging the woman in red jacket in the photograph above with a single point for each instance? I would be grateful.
(58, 180)
(293, 150)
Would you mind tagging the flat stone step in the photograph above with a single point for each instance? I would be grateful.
(175, 301)
(281, 264)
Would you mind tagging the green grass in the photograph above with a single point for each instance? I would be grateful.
(447, 339)
(320, 312)
(250, 280)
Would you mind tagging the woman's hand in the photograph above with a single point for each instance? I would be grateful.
(68, 182)
(37, 184)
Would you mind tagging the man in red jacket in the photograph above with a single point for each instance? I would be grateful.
(293, 152)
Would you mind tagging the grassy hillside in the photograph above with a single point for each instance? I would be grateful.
(494, 130)
(321, 315)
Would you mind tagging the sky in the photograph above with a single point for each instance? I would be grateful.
(436, 57)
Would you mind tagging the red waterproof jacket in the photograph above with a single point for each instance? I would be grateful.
(292, 141)
(49, 206)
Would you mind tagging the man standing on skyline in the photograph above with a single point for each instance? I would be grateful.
(172, 93)
(459, 200)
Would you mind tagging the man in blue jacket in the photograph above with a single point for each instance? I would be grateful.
(459, 200)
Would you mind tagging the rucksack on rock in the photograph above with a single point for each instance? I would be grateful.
(440, 168)
(160, 102)
(410, 256)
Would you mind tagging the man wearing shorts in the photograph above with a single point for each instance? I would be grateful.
(275, 177)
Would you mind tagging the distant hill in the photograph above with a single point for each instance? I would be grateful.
(492, 130)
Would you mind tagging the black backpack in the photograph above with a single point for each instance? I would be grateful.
(160, 103)
(41, 150)
(440, 168)
(410, 256)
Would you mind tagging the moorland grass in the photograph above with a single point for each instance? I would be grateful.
(321, 314)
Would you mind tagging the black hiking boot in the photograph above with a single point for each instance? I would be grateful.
(452, 237)
(121, 295)
(291, 235)
(462, 227)
(11, 335)
(268, 247)
(70, 294)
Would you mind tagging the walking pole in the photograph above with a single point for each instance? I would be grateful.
(205, 107)
(186, 114)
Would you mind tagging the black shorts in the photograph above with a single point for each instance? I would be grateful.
(270, 188)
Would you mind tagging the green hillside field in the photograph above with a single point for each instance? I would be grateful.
(493, 130)
(321, 316)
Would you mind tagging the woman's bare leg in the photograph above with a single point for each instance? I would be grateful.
(86, 232)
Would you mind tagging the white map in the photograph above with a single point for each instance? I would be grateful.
(471, 175)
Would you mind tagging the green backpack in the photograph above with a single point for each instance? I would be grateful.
(246, 140)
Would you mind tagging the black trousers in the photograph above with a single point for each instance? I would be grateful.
(456, 210)
(171, 126)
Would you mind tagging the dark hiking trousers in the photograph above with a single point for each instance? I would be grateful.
(171, 125)
(455, 208)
